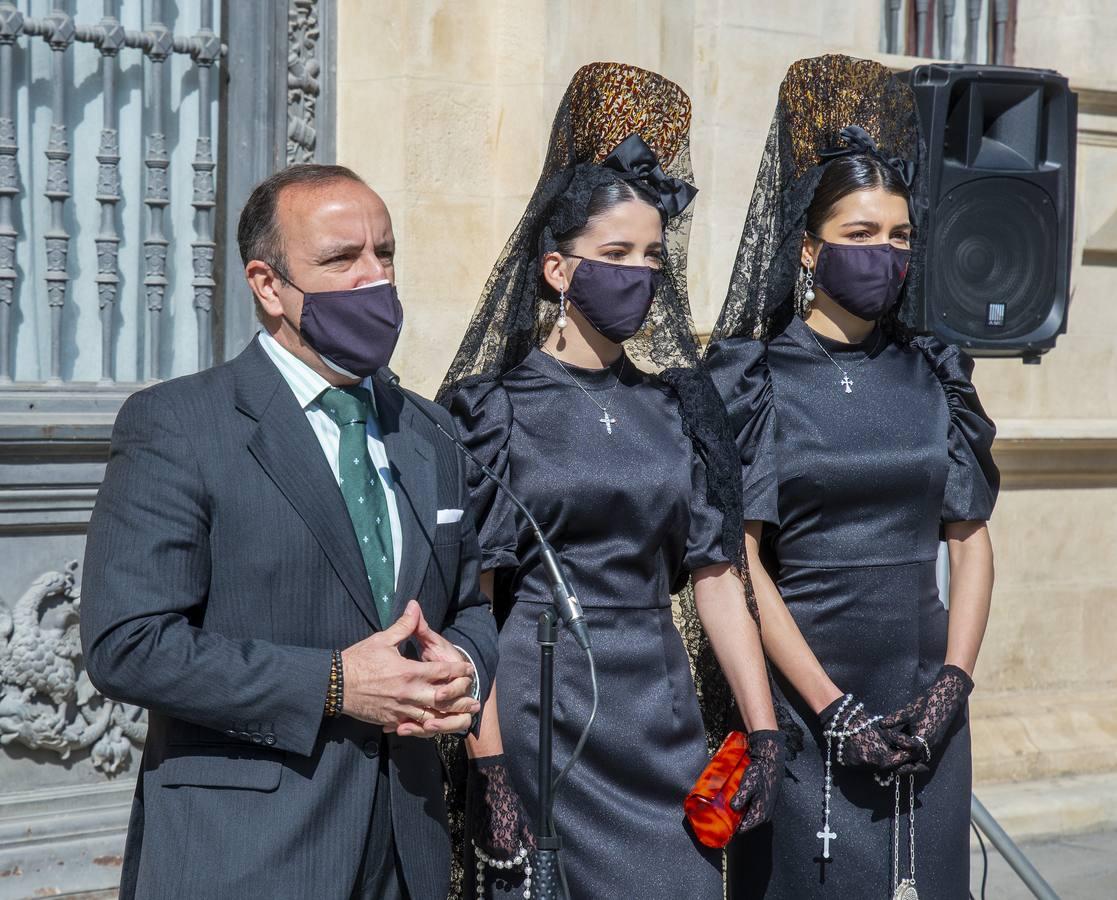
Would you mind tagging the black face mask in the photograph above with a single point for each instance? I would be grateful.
(355, 331)
(615, 299)
(865, 281)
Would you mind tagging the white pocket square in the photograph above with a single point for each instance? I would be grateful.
(449, 516)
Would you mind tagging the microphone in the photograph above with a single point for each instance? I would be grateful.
(562, 594)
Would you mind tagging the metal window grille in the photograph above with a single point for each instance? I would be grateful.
(976, 31)
(87, 260)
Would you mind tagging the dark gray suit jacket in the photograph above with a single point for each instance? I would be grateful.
(221, 568)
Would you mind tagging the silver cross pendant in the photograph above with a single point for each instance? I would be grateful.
(826, 836)
(608, 421)
(847, 383)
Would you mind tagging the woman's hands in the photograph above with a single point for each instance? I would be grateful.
(760, 787)
(928, 717)
(864, 743)
(497, 821)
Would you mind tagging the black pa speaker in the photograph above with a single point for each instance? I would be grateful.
(1000, 152)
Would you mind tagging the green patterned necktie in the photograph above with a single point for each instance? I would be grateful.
(363, 492)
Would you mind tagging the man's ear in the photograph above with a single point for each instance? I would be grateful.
(265, 284)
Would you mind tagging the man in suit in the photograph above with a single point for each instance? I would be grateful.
(282, 567)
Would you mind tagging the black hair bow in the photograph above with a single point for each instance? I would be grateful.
(858, 142)
(635, 159)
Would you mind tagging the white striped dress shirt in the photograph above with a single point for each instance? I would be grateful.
(307, 385)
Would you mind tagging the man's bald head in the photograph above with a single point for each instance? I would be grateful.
(259, 231)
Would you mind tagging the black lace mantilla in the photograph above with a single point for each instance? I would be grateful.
(818, 98)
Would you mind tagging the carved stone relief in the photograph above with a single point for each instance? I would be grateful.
(47, 701)
(303, 68)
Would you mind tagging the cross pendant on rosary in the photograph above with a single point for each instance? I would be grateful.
(608, 421)
(826, 836)
(847, 383)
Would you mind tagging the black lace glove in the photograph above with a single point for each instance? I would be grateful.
(760, 786)
(496, 817)
(930, 714)
(866, 744)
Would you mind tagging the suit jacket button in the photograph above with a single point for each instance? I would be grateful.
(372, 748)
(269, 738)
(257, 738)
(232, 732)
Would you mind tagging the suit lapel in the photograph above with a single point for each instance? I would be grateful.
(414, 475)
(287, 449)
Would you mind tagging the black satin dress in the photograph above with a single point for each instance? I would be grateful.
(627, 514)
(854, 489)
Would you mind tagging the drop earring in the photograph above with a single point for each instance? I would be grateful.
(562, 309)
(808, 293)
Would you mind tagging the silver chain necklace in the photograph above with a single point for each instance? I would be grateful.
(905, 889)
(606, 420)
(846, 381)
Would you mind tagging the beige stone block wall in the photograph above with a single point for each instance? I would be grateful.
(1075, 37)
(445, 106)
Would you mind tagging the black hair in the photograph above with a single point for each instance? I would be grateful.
(842, 177)
(258, 233)
(604, 198)
(846, 175)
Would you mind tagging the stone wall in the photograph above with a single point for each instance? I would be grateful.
(445, 107)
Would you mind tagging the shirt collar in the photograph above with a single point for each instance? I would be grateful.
(306, 384)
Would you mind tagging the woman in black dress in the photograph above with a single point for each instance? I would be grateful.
(635, 480)
(861, 446)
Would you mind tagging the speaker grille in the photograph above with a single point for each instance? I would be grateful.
(994, 249)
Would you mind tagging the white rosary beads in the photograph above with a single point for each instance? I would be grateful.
(827, 834)
(903, 889)
(520, 859)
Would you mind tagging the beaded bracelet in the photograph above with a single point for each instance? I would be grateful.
(335, 692)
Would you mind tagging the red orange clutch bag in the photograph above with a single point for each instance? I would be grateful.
(707, 805)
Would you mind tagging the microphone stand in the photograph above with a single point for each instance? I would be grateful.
(548, 882)
(546, 875)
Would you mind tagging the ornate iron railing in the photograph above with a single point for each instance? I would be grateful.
(158, 44)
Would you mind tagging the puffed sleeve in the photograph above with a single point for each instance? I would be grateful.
(739, 369)
(704, 538)
(973, 479)
(483, 415)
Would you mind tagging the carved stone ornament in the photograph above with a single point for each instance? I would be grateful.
(303, 67)
(46, 699)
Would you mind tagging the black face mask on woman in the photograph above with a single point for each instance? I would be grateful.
(355, 331)
(615, 299)
(865, 281)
